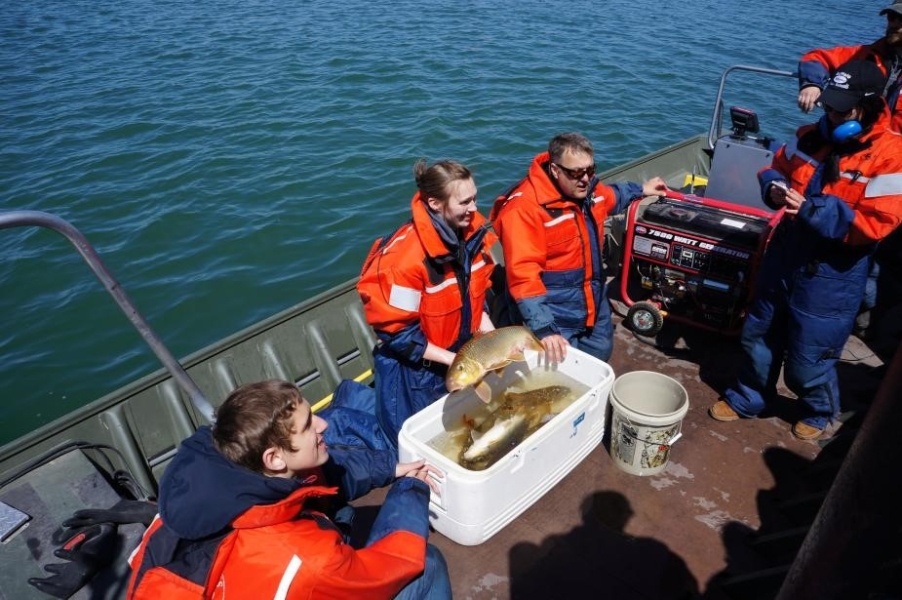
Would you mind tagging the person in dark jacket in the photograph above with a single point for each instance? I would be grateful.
(241, 515)
(840, 186)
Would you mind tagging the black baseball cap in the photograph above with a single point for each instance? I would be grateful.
(852, 81)
(896, 8)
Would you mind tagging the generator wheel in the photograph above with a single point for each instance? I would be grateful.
(645, 318)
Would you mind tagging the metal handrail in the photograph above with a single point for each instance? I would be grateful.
(714, 131)
(21, 218)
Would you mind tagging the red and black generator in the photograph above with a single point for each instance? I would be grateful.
(693, 260)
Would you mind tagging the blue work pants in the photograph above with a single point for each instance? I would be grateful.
(799, 321)
(403, 389)
(433, 584)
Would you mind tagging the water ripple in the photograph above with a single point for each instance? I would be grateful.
(229, 159)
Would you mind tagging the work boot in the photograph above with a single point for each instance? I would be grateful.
(721, 411)
(804, 431)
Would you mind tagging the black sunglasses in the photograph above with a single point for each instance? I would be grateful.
(577, 174)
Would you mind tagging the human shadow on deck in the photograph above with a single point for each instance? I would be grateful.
(756, 560)
(597, 559)
(759, 560)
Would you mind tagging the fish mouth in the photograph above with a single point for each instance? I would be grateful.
(454, 384)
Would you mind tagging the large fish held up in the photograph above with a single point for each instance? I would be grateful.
(489, 352)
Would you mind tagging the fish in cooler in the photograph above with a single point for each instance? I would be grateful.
(518, 416)
(537, 405)
(484, 448)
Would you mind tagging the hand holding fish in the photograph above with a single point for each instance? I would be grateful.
(419, 469)
(438, 355)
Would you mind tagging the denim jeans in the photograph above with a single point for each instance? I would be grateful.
(433, 584)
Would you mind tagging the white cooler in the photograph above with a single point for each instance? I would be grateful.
(474, 505)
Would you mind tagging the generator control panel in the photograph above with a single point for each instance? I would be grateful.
(700, 238)
(695, 260)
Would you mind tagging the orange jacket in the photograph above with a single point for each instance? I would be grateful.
(869, 187)
(818, 65)
(545, 237)
(271, 547)
(413, 280)
(227, 532)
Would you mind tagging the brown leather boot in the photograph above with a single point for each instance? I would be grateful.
(721, 411)
(804, 431)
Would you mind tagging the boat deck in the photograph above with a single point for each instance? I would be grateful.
(735, 498)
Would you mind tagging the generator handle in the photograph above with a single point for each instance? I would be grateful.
(675, 195)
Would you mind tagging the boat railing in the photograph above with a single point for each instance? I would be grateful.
(715, 131)
(23, 218)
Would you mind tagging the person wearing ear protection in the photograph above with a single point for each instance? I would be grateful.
(424, 289)
(243, 513)
(840, 186)
(551, 226)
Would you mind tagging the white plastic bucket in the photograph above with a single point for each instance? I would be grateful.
(647, 415)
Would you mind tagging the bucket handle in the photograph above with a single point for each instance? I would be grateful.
(669, 443)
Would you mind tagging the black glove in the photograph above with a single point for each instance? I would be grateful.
(124, 511)
(86, 552)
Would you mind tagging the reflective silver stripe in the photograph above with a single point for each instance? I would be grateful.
(560, 219)
(294, 565)
(477, 265)
(855, 176)
(884, 185)
(437, 288)
(131, 557)
(395, 241)
(792, 149)
(404, 298)
(452, 281)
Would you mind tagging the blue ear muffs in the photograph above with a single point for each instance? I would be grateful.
(846, 131)
(842, 133)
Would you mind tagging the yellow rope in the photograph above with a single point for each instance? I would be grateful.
(328, 399)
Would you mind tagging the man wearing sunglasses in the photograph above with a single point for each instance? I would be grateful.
(551, 226)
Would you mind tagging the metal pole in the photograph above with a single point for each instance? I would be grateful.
(20, 218)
